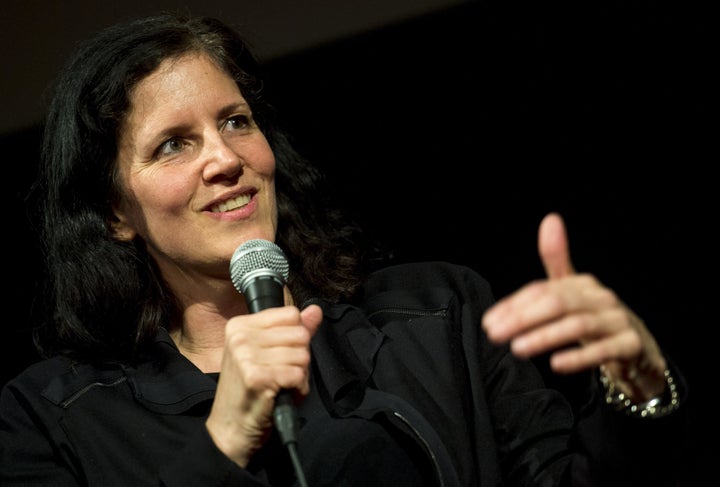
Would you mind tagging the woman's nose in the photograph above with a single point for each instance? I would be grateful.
(221, 159)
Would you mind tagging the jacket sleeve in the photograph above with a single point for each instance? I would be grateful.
(554, 430)
(520, 426)
(615, 449)
(27, 458)
(215, 469)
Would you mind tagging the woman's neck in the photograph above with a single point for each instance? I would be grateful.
(201, 335)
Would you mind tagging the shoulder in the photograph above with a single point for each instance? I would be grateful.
(22, 395)
(407, 291)
(436, 271)
(57, 379)
(430, 277)
(38, 375)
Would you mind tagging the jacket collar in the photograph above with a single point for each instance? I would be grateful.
(169, 383)
(344, 350)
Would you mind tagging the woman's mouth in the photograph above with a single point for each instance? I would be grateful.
(231, 204)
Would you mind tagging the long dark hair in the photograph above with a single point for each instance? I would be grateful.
(105, 299)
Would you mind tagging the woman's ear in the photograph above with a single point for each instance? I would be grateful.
(121, 228)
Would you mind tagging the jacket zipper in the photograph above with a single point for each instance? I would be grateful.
(424, 443)
(411, 312)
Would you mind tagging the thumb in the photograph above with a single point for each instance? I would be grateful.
(312, 317)
(553, 247)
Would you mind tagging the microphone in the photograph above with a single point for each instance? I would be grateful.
(259, 270)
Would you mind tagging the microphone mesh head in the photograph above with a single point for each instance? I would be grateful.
(255, 258)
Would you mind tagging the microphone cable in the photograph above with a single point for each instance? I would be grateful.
(286, 424)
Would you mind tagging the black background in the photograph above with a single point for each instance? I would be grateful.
(451, 136)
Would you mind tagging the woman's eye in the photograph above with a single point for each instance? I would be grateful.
(237, 122)
(170, 146)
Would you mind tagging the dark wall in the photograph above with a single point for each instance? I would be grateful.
(451, 136)
(20, 152)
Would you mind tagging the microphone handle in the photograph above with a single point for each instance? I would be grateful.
(263, 292)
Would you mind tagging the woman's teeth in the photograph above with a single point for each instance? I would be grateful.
(231, 204)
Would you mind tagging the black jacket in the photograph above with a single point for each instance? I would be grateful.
(406, 390)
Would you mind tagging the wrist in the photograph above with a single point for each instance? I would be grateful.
(655, 407)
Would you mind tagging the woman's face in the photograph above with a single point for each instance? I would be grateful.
(196, 171)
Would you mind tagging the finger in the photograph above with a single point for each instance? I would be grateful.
(278, 356)
(553, 247)
(568, 330)
(240, 339)
(311, 318)
(515, 313)
(286, 324)
(271, 369)
(541, 302)
(618, 346)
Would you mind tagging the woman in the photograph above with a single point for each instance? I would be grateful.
(161, 157)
